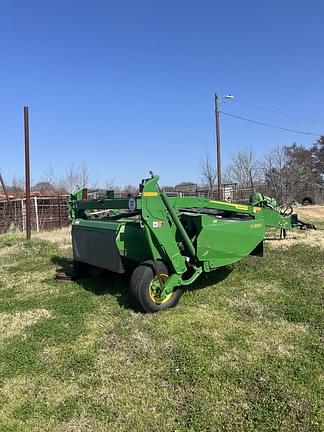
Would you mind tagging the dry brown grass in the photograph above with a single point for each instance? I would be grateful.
(14, 323)
(29, 283)
(61, 237)
(312, 212)
(296, 236)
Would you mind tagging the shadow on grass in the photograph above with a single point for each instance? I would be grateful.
(104, 283)
(65, 264)
(117, 284)
(212, 278)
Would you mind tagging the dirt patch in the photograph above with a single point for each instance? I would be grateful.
(296, 236)
(311, 212)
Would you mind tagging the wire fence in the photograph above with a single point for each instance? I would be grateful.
(229, 192)
(47, 213)
(52, 212)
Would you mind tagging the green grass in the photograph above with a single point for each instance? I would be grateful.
(243, 351)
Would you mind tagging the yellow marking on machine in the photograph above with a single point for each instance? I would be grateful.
(217, 202)
(256, 209)
(241, 207)
(257, 225)
(150, 194)
(237, 206)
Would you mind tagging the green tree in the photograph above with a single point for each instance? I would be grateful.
(290, 170)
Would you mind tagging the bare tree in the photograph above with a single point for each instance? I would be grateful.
(110, 184)
(43, 187)
(244, 170)
(47, 182)
(70, 180)
(207, 173)
(48, 175)
(130, 189)
(275, 173)
(84, 175)
(17, 184)
(318, 156)
(75, 177)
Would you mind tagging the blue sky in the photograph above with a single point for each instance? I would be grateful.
(127, 86)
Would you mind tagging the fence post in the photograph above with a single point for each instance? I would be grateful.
(23, 215)
(36, 213)
(59, 211)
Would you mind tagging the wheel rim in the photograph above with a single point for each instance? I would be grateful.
(155, 290)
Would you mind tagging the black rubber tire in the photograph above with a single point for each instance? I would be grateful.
(84, 270)
(139, 287)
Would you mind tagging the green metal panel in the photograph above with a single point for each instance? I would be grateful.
(196, 202)
(132, 243)
(223, 242)
(273, 218)
(163, 232)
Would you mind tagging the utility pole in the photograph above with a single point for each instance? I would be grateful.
(218, 149)
(27, 173)
(218, 143)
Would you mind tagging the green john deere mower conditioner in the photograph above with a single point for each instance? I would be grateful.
(169, 240)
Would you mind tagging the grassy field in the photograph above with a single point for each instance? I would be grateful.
(243, 351)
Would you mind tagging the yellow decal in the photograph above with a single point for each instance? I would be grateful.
(241, 207)
(150, 194)
(256, 209)
(237, 206)
(256, 225)
(218, 202)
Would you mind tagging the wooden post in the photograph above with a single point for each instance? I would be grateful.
(23, 215)
(27, 173)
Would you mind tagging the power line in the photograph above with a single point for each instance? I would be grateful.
(278, 112)
(271, 126)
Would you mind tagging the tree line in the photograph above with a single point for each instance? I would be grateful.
(286, 171)
(75, 176)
